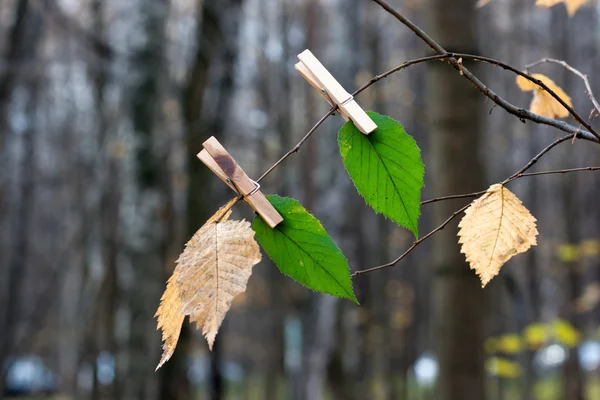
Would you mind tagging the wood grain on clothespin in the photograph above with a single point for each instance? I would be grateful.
(215, 157)
(317, 75)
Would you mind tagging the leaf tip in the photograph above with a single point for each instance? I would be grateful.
(165, 357)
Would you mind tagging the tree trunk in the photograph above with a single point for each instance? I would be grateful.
(27, 26)
(454, 112)
(215, 47)
(147, 234)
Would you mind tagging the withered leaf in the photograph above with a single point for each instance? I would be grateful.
(495, 228)
(543, 103)
(214, 268)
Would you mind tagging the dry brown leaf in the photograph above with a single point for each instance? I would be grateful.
(543, 103)
(495, 227)
(214, 268)
(572, 5)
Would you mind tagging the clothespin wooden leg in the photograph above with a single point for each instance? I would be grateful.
(310, 78)
(317, 75)
(215, 157)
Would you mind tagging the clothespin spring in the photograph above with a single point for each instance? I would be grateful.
(244, 196)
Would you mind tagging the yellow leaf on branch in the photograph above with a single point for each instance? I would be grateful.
(543, 103)
(572, 5)
(495, 228)
(214, 268)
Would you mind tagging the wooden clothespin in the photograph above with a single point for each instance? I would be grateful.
(215, 157)
(317, 75)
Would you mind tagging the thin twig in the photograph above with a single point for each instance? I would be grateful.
(535, 159)
(414, 245)
(400, 67)
(514, 176)
(583, 77)
(521, 113)
(453, 197)
(558, 171)
(297, 147)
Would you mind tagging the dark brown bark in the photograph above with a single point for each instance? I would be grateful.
(214, 49)
(454, 110)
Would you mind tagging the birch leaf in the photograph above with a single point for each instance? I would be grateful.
(572, 5)
(543, 103)
(386, 168)
(495, 228)
(303, 250)
(214, 268)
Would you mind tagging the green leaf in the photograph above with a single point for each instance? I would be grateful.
(303, 250)
(386, 168)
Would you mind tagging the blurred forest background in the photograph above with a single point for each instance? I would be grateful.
(103, 107)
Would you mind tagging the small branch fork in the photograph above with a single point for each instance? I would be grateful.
(588, 87)
(455, 60)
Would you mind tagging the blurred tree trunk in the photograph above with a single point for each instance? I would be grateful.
(572, 44)
(147, 235)
(14, 58)
(106, 168)
(454, 109)
(216, 55)
(23, 47)
(321, 315)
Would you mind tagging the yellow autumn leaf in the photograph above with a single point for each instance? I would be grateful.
(536, 334)
(572, 5)
(511, 343)
(543, 103)
(495, 228)
(503, 367)
(214, 268)
(566, 333)
(568, 252)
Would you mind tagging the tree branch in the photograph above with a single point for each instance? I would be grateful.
(486, 91)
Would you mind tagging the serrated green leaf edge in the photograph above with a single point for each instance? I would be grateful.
(397, 161)
(302, 249)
